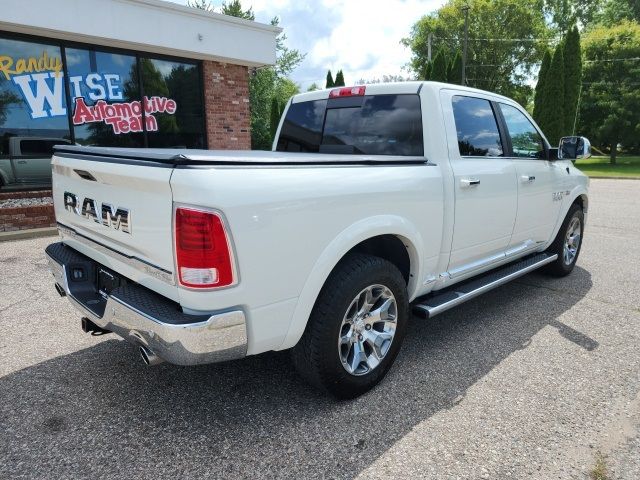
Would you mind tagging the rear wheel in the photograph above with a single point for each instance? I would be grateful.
(567, 243)
(356, 327)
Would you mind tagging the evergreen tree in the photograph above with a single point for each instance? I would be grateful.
(542, 77)
(275, 116)
(572, 78)
(552, 106)
(427, 71)
(439, 67)
(234, 9)
(329, 83)
(455, 69)
(339, 79)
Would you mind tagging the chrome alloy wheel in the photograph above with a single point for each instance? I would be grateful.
(367, 329)
(572, 241)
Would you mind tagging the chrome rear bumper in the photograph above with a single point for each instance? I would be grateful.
(145, 318)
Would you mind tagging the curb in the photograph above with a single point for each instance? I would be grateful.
(613, 178)
(26, 234)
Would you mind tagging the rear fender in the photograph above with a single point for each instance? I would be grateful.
(337, 249)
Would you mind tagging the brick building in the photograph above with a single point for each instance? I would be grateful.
(134, 73)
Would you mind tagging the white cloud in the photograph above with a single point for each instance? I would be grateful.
(361, 37)
(366, 41)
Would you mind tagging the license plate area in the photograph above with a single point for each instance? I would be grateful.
(107, 280)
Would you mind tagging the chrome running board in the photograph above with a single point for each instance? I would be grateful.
(441, 301)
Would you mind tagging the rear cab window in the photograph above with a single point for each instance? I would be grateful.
(364, 125)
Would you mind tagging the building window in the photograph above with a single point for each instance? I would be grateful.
(105, 97)
(108, 98)
(32, 95)
(173, 93)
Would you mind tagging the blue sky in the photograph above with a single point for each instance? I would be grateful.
(361, 37)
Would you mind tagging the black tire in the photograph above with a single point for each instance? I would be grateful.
(317, 355)
(560, 267)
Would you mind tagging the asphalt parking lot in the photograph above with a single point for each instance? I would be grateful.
(534, 380)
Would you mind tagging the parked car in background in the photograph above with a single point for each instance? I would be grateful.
(27, 160)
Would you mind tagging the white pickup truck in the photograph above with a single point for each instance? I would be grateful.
(377, 200)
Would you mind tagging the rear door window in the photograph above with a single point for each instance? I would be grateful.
(476, 127)
(369, 125)
(39, 147)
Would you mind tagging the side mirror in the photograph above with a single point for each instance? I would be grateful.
(574, 148)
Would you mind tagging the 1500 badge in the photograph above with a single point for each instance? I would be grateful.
(117, 218)
(557, 196)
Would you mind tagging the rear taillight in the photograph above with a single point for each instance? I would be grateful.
(347, 92)
(203, 250)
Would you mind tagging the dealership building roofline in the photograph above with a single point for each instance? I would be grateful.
(153, 26)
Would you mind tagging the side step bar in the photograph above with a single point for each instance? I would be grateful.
(444, 300)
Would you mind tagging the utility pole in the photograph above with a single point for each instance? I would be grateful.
(429, 40)
(465, 9)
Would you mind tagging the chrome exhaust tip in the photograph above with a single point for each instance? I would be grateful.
(148, 357)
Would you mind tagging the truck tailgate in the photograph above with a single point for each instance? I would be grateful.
(118, 214)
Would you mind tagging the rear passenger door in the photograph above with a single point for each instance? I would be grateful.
(538, 179)
(485, 184)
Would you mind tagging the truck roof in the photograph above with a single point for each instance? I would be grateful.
(394, 88)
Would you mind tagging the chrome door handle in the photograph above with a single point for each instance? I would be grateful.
(528, 178)
(22, 161)
(469, 182)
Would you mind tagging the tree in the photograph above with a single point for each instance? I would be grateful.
(428, 68)
(614, 11)
(268, 82)
(564, 13)
(275, 116)
(200, 4)
(313, 87)
(454, 74)
(329, 83)
(572, 77)
(552, 105)
(6, 99)
(439, 69)
(234, 9)
(610, 100)
(540, 86)
(384, 79)
(500, 66)
(339, 79)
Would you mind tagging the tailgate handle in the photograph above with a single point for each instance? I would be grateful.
(86, 175)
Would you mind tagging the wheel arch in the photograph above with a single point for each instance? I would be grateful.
(578, 195)
(391, 237)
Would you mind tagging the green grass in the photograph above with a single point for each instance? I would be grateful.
(628, 167)
(599, 470)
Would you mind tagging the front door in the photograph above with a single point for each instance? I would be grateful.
(485, 186)
(539, 182)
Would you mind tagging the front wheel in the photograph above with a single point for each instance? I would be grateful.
(567, 243)
(356, 327)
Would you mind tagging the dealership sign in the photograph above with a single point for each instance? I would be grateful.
(40, 81)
